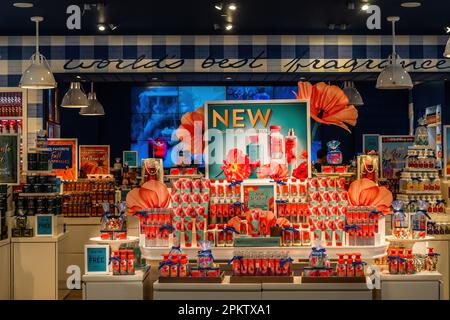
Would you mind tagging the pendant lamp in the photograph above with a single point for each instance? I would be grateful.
(447, 49)
(394, 76)
(353, 95)
(94, 107)
(74, 97)
(38, 75)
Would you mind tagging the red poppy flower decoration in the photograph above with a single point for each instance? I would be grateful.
(301, 172)
(236, 166)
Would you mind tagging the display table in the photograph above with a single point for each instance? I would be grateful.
(264, 291)
(37, 268)
(109, 287)
(315, 291)
(5, 269)
(114, 244)
(420, 286)
(226, 253)
(207, 291)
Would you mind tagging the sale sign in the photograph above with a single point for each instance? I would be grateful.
(63, 157)
(94, 159)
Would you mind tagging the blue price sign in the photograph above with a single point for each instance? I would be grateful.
(96, 258)
(44, 225)
(130, 158)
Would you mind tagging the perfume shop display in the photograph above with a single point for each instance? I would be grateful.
(405, 262)
(420, 195)
(249, 263)
(175, 264)
(126, 260)
(113, 222)
(84, 198)
(320, 266)
(38, 196)
(312, 210)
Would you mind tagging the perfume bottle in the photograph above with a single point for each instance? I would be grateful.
(276, 144)
(291, 150)
(254, 153)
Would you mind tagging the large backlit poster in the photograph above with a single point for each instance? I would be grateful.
(94, 160)
(249, 139)
(63, 157)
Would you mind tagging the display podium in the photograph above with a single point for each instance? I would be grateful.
(37, 272)
(5, 269)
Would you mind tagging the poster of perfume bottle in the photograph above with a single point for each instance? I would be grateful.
(257, 140)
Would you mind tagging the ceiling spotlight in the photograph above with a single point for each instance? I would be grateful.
(331, 26)
(218, 6)
(228, 27)
(228, 78)
(112, 26)
(351, 5)
(343, 26)
(365, 7)
(411, 4)
(101, 27)
(155, 78)
(78, 77)
(23, 5)
(447, 29)
(232, 7)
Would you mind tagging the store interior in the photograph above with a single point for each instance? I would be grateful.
(313, 183)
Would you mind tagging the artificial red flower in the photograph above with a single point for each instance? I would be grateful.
(304, 155)
(236, 166)
(301, 172)
(152, 194)
(365, 192)
(273, 170)
(328, 104)
(188, 121)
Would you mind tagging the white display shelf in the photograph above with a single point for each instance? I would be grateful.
(226, 253)
(397, 240)
(114, 244)
(41, 194)
(420, 193)
(407, 169)
(421, 276)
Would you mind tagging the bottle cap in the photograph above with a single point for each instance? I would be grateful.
(275, 128)
(253, 139)
(291, 132)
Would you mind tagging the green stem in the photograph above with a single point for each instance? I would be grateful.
(314, 130)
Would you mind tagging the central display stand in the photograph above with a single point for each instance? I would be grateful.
(226, 253)
(110, 287)
(262, 291)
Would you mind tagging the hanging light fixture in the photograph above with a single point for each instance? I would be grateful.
(94, 107)
(353, 95)
(75, 97)
(394, 76)
(447, 49)
(38, 75)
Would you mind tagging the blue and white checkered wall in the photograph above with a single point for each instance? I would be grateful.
(275, 52)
